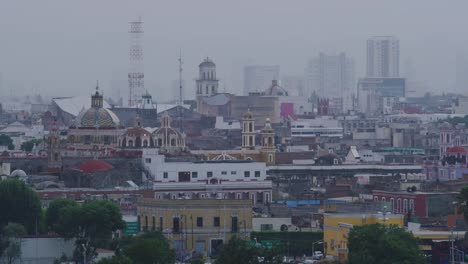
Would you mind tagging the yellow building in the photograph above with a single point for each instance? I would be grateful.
(337, 226)
(201, 226)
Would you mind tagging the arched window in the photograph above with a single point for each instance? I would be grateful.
(411, 205)
(250, 127)
(405, 205)
(130, 143)
(270, 158)
(398, 205)
(145, 143)
(384, 199)
(392, 204)
(173, 142)
(159, 142)
(138, 142)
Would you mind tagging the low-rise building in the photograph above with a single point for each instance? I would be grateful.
(202, 226)
(337, 226)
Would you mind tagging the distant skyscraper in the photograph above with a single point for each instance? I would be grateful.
(383, 57)
(330, 76)
(257, 78)
(294, 84)
(461, 74)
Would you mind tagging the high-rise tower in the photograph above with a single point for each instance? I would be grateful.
(383, 57)
(136, 76)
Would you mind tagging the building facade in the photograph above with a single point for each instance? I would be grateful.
(383, 57)
(195, 225)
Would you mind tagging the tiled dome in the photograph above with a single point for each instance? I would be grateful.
(100, 117)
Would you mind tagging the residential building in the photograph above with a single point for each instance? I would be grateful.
(383, 57)
(197, 225)
(221, 178)
(420, 204)
(376, 95)
(258, 77)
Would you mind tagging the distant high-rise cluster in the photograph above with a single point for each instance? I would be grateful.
(136, 76)
(258, 77)
(383, 57)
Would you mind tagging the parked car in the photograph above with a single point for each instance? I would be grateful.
(317, 255)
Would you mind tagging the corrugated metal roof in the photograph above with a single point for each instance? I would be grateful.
(74, 105)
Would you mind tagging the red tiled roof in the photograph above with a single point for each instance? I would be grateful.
(91, 166)
(456, 150)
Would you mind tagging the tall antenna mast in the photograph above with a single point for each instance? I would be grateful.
(181, 99)
(136, 84)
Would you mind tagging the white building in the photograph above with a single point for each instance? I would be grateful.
(257, 78)
(383, 57)
(319, 127)
(221, 178)
(207, 83)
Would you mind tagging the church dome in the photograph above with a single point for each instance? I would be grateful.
(97, 116)
(100, 117)
(18, 173)
(137, 132)
(275, 90)
(207, 63)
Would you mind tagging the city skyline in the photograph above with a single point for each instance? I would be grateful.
(34, 52)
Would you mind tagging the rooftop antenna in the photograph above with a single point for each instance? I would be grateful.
(181, 100)
(136, 74)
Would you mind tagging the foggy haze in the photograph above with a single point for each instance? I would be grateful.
(60, 48)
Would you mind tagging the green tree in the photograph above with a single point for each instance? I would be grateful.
(383, 244)
(19, 204)
(151, 248)
(91, 224)
(28, 145)
(11, 234)
(116, 260)
(6, 141)
(242, 251)
(53, 213)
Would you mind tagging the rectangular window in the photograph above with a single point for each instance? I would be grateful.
(209, 174)
(246, 174)
(224, 173)
(160, 223)
(233, 172)
(234, 224)
(257, 174)
(184, 176)
(266, 227)
(194, 174)
(148, 160)
(176, 225)
(165, 175)
(216, 221)
(199, 221)
(146, 223)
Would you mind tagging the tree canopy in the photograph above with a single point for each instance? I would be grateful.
(116, 260)
(5, 140)
(383, 244)
(150, 248)
(19, 204)
(462, 200)
(90, 224)
(241, 251)
(29, 145)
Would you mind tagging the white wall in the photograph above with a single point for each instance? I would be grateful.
(230, 171)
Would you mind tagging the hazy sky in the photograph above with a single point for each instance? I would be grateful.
(62, 47)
